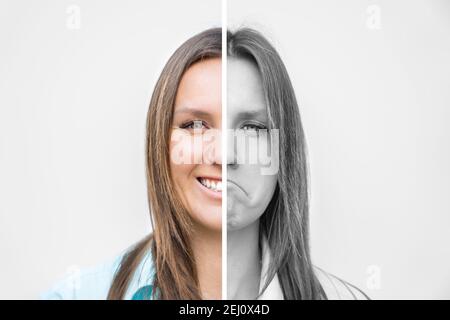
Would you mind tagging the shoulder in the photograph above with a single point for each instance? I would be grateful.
(94, 283)
(338, 289)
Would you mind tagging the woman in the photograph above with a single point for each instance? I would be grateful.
(182, 258)
(268, 238)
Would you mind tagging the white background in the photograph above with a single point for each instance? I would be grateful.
(375, 105)
(72, 127)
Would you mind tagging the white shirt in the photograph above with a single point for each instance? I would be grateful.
(335, 288)
(273, 290)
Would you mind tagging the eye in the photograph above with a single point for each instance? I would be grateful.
(196, 125)
(253, 127)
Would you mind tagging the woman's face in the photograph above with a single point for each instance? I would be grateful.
(249, 190)
(195, 143)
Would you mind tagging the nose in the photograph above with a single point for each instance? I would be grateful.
(231, 152)
(213, 149)
(218, 148)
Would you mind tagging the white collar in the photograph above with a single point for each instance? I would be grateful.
(273, 290)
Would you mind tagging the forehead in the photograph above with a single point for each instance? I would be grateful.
(200, 86)
(245, 89)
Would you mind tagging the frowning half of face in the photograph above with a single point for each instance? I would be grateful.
(195, 143)
(249, 190)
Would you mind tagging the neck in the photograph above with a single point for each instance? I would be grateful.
(207, 247)
(243, 263)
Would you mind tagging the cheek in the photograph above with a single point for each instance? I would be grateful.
(185, 149)
(262, 188)
(183, 155)
(185, 160)
(243, 211)
(180, 174)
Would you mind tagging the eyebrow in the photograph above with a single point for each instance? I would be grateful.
(193, 111)
(252, 114)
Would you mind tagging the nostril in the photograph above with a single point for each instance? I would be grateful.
(232, 165)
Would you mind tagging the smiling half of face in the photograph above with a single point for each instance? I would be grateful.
(195, 143)
(249, 191)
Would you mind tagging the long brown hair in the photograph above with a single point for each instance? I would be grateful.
(175, 269)
(285, 221)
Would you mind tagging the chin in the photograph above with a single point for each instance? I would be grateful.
(242, 219)
(209, 218)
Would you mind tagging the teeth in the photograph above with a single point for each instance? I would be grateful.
(212, 184)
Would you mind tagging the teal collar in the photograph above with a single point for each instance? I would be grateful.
(141, 284)
(143, 293)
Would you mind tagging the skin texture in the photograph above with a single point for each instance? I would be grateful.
(199, 98)
(249, 191)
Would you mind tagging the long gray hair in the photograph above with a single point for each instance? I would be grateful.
(285, 221)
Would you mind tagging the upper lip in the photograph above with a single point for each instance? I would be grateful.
(210, 177)
(237, 185)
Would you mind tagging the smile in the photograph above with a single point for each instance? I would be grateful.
(214, 185)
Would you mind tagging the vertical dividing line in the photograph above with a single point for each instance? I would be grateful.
(224, 149)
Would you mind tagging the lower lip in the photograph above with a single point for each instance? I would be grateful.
(209, 192)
